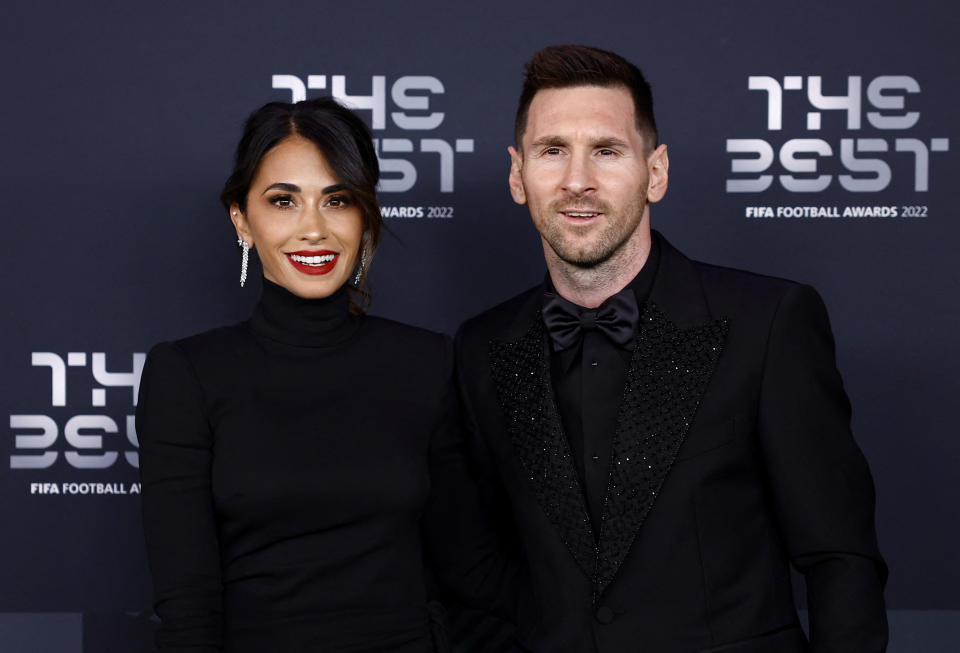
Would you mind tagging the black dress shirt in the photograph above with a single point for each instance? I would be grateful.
(588, 381)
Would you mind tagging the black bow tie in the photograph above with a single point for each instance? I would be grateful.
(616, 318)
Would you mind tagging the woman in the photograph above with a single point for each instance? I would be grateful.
(286, 460)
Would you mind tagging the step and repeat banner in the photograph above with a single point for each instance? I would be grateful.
(814, 141)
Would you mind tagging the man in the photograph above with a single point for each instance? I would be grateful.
(666, 436)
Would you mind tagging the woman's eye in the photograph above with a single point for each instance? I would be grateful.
(282, 201)
(338, 200)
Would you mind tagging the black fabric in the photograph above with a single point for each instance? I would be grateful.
(566, 322)
(286, 463)
(732, 459)
(589, 375)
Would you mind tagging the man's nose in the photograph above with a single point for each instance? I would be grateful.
(578, 177)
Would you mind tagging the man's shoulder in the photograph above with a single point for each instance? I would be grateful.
(722, 286)
(734, 292)
(501, 319)
(722, 278)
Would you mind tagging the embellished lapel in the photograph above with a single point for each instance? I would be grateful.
(521, 374)
(678, 345)
(667, 377)
(677, 348)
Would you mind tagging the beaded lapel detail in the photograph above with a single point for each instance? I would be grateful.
(521, 373)
(668, 374)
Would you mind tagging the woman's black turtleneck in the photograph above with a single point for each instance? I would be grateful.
(286, 462)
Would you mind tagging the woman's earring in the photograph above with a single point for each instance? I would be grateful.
(363, 265)
(245, 261)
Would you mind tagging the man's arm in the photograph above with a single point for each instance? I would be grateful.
(822, 488)
(465, 546)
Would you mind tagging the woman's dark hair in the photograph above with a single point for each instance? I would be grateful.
(346, 144)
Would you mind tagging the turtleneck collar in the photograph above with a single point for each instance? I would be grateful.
(284, 317)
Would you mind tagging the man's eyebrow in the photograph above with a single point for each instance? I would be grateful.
(603, 141)
(610, 141)
(548, 141)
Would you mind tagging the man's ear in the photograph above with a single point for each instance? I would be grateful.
(658, 166)
(516, 177)
(240, 224)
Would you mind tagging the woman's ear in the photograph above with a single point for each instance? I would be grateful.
(240, 224)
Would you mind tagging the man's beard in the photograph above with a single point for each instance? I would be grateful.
(616, 231)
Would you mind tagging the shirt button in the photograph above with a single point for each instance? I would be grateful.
(595, 458)
(604, 615)
(593, 363)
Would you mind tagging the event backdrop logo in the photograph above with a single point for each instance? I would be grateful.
(880, 128)
(92, 441)
(412, 154)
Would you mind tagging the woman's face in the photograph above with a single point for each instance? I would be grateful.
(304, 224)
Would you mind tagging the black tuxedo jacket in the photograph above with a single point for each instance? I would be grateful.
(732, 458)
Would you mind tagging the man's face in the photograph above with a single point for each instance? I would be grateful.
(584, 172)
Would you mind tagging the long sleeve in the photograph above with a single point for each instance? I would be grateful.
(822, 488)
(178, 514)
(465, 549)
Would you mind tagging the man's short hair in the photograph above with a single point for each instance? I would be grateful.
(565, 66)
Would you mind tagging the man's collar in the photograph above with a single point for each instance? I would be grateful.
(641, 284)
(676, 289)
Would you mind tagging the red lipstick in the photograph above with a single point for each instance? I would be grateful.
(320, 261)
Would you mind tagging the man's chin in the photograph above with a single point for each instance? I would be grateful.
(584, 260)
(580, 254)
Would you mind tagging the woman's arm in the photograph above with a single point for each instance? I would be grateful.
(176, 454)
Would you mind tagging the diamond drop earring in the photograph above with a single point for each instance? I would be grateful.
(363, 266)
(246, 256)
(245, 261)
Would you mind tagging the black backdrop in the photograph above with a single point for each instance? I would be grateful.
(119, 120)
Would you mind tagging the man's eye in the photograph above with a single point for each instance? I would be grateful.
(606, 152)
(552, 151)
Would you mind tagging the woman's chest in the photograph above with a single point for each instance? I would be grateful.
(322, 435)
